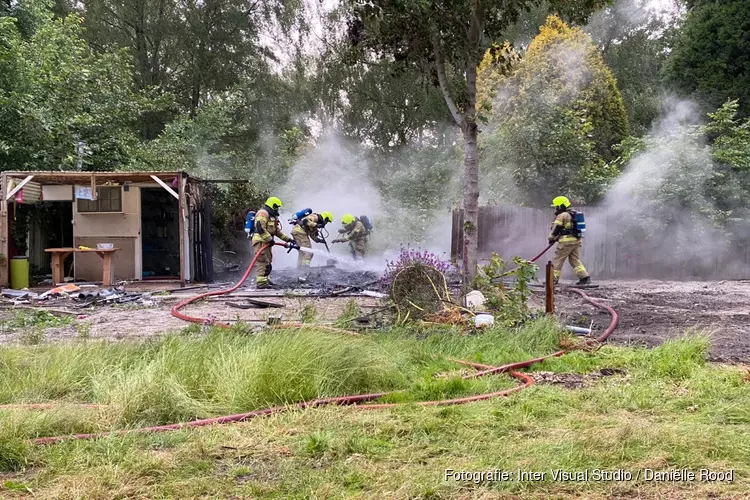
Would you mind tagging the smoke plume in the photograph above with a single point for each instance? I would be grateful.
(343, 177)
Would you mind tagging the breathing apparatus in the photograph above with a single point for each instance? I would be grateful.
(298, 216)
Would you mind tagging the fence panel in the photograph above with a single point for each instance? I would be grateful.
(607, 253)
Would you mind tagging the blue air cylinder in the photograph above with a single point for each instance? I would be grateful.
(302, 213)
(250, 222)
(580, 221)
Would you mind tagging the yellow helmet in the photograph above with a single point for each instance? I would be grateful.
(347, 219)
(274, 203)
(327, 216)
(561, 201)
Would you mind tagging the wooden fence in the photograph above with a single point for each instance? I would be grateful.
(607, 253)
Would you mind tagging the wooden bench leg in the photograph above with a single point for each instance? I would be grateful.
(58, 268)
(109, 270)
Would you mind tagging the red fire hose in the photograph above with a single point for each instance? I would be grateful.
(193, 319)
(542, 252)
(356, 400)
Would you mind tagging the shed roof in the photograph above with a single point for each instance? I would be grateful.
(61, 177)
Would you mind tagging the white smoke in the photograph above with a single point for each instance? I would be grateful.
(662, 194)
(336, 175)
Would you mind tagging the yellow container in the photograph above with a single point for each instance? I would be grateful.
(19, 272)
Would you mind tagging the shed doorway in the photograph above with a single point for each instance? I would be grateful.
(160, 234)
(38, 227)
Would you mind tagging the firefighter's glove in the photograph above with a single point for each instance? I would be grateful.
(551, 240)
(292, 245)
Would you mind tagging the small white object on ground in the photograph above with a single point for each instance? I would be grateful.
(475, 300)
(484, 319)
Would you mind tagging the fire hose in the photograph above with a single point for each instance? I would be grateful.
(355, 400)
(542, 252)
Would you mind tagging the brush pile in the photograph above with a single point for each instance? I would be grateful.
(417, 286)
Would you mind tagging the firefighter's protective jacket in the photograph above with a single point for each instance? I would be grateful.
(355, 233)
(308, 225)
(563, 228)
(267, 226)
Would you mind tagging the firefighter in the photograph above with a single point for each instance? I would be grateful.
(354, 232)
(267, 226)
(308, 228)
(569, 241)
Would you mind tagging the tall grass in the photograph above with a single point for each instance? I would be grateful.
(186, 377)
(670, 410)
(183, 378)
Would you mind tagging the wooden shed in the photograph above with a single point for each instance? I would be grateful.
(159, 221)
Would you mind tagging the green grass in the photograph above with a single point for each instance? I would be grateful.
(32, 325)
(38, 318)
(670, 410)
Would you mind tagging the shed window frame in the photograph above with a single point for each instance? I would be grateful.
(106, 201)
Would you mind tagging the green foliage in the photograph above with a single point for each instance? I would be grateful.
(419, 186)
(509, 303)
(731, 144)
(14, 450)
(557, 126)
(180, 378)
(55, 91)
(83, 329)
(309, 313)
(635, 38)
(318, 443)
(704, 180)
(39, 318)
(390, 104)
(230, 206)
(32, 335)
(711, 55)
(350, 312)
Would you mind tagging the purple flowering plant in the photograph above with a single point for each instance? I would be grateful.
(409, 257)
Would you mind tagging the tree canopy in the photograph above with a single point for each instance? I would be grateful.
(556, 120)
(439, 103)
(711, 57)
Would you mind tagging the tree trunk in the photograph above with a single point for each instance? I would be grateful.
(467, 121)
(471, 203)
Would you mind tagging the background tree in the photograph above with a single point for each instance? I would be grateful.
(62, 106)
(635, 38)
(558, 118)
(711, 57)
(448, 39)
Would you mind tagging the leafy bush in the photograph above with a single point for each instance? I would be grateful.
(409, 257)
(39, 318)
(509, 303)
(559, 115)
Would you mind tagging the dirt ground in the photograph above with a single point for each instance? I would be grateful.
(132, 322)
(649, 311)
(652, 311)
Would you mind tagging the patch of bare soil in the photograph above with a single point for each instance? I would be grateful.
(651, 312)
(132, 322)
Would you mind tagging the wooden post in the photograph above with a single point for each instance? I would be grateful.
(181, 218)
(549, 287)
(58, 266)
(108, 274)
(4, 265)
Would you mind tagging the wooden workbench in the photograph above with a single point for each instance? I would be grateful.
(60, 254)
